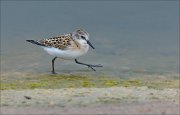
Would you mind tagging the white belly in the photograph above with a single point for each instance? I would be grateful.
(65, 54)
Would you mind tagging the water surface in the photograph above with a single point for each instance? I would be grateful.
(131, 38)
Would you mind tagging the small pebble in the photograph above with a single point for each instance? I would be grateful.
(27, 97)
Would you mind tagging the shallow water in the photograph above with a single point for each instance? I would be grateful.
(131, 38)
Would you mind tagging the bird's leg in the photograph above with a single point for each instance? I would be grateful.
(53, 72)
(89, 65)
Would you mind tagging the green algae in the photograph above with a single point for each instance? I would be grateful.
(163, 84)
(110, 83)
(129, 83)
(5, 86)
(35, 85)
(80, 81)
(87, 84)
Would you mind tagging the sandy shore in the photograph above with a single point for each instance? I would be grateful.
(151, 108)
(114, 100)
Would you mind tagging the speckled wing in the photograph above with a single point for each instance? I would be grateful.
(60, 42)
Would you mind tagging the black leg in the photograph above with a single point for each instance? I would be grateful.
(53, 72)
(89, 65)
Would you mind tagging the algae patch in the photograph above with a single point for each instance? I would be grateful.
(80, 81)
(110, 83)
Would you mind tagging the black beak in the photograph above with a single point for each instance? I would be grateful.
(90, 44)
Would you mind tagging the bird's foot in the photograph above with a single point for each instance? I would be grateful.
(91, 66)
(53, 72)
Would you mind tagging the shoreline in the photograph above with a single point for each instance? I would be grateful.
(82, 94)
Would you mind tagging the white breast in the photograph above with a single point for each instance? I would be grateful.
(65, 54)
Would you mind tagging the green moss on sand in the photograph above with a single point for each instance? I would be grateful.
(79, 81)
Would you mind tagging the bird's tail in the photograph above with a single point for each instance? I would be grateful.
(35, 42)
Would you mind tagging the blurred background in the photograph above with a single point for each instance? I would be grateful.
(131, 38)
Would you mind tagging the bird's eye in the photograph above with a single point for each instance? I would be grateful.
(83, 37)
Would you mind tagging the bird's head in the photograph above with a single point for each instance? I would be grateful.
(81, 36)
